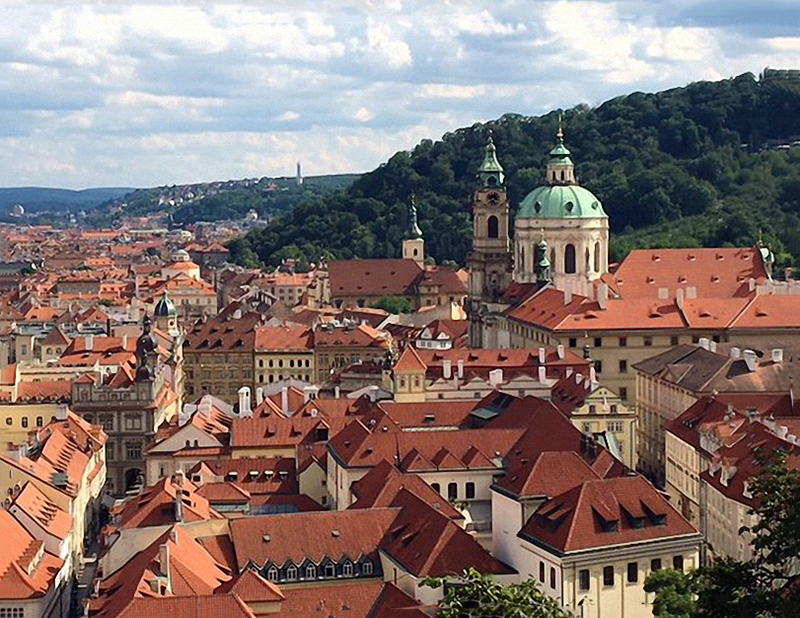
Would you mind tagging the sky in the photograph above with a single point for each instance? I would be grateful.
(127, 94)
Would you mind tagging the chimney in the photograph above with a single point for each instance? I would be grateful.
(542, 374)
(178, 483)
(163, 564)
(704, 343)
(602, 296)
(561, 351)
(777, 355)
(89, 342)
(751, 359)
(736, 353)
(679, 298)
(285, 400)
(259, 396)
(447, 368)
(542, 356)
(244, 402)
(568, 292)
(460, 372)
(752, 284)
(124, 342)
(712, 346)
(61, 412)
(336, 392)
(495, 377)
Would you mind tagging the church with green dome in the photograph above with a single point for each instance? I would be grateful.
(571, 221)
(560, 237)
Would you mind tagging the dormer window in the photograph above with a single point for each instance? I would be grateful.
(291, 573)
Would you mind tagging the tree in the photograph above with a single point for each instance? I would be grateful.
(393, 304)
(474, 595)
(768, 585)
(675, 593)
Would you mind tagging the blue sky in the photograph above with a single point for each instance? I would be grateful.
(129, 94)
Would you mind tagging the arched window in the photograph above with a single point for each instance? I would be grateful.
(330, 570)
(39, 421)
(569, 259)
(562, 174)
(493, 227)
(291, 572)
(416, 252)
(272, 574)
(311, 571)
(347, 569)
(366, 568)
(553, 259)
(522, 258)
(587, 259)
(597, 257)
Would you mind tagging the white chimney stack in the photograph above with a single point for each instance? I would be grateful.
(542, 356)
(568, 292)
(259, 396)
(736, 353)
(124, 342)
(750, 359)
(244, 402)
(542, 374)
(712, 346)
(285, 400)
(460, 366)
(602, 296)
(561, 351)
(447, 368)
(777, 355)
(336, 392)
(495, 377)
(704, 343)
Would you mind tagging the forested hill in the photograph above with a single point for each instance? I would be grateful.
(708, 164)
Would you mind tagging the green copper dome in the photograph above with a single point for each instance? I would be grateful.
(561, 202)
(165, 308)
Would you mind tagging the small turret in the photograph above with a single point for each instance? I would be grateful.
(542, 266)
(414, 244)
(560, 168)
(490, 172)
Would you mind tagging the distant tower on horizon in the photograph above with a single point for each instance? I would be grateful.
(299, 175)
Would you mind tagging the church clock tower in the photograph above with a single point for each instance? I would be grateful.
(490, 262)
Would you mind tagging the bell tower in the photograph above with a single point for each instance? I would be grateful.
(414, 244)
(490, 262)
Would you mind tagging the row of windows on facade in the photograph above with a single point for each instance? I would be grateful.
(452, 490)
(133, 450)
(279, 363)
(12, 612)
(330, 570)
(611, 426)
(133, 422)
(647, 341)
(570, 257)
(291, 376)
(24, 421)
(632, 575)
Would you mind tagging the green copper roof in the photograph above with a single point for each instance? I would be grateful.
(559, 151)
(490, 162)
(413, 225)
(561, 202)
(164, 308)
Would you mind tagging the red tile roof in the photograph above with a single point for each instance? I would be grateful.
(156, 505)
(601, 513)
(389, 277)
(363, 599)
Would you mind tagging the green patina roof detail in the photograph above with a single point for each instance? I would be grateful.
(490, 163)
(165, 308)
(561, 202)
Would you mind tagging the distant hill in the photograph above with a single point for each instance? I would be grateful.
(218, 200)
(43, 198)
(709, 164)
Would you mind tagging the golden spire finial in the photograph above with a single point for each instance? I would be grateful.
(560, 133)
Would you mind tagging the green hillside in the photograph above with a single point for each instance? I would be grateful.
(218, 200)
(709, 164)
(44, 198)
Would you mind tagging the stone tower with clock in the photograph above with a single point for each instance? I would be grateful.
(490, 262)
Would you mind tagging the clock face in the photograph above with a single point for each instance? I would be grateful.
(493, 197)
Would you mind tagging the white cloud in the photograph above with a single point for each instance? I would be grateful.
(384, 42)
(363, 114)
(134, 94)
